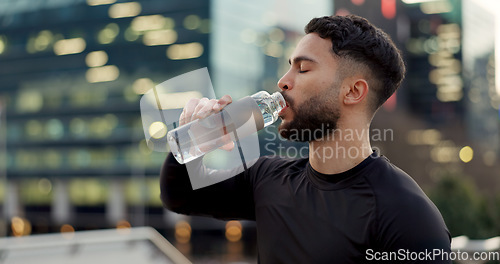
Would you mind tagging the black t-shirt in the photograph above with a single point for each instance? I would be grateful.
(373, 211)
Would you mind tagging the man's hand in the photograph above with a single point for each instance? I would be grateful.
(201, 108)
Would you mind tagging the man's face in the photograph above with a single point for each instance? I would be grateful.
(311, 88)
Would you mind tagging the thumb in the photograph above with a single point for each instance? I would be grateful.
(222, 102)
(228, 147)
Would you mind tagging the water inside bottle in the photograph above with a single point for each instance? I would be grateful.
(270, 106)
(267, 113)
(196, 138)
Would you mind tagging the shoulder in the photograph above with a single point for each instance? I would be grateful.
(405, 215)
(392, 185)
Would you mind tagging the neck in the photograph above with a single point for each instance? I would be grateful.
(341, 150)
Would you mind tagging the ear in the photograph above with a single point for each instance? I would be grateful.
(357, 92)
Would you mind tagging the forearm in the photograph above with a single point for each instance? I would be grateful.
(175, 186)
(229, 199)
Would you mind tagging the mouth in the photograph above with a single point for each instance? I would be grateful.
(280, 114)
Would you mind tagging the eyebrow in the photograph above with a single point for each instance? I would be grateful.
(300, 59)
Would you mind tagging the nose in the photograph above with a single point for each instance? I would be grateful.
(285, 83)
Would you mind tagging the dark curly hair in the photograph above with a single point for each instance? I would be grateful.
(363, 46)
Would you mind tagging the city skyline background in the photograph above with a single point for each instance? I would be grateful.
(72, 150)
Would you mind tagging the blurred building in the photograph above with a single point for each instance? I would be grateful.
(72, 148)
(419, 29)
(434, 54)
(446, 118)
(451, 85)
(481, 68)
(480, 62)
(72, 75)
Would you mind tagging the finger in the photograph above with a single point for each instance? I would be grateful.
(206, 110)
(228, 147)
(199, 106)
(189, 109)
(222, 102)
(182, 120)
(228, 143)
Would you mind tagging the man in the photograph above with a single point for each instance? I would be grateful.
(344, 203)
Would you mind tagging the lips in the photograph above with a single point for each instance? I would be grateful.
(280, 114)
(282, 110)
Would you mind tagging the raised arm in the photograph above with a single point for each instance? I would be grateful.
(229, 199)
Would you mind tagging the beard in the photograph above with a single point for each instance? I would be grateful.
(314, 119)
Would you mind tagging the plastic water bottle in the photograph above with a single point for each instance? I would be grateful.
(201, 136)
